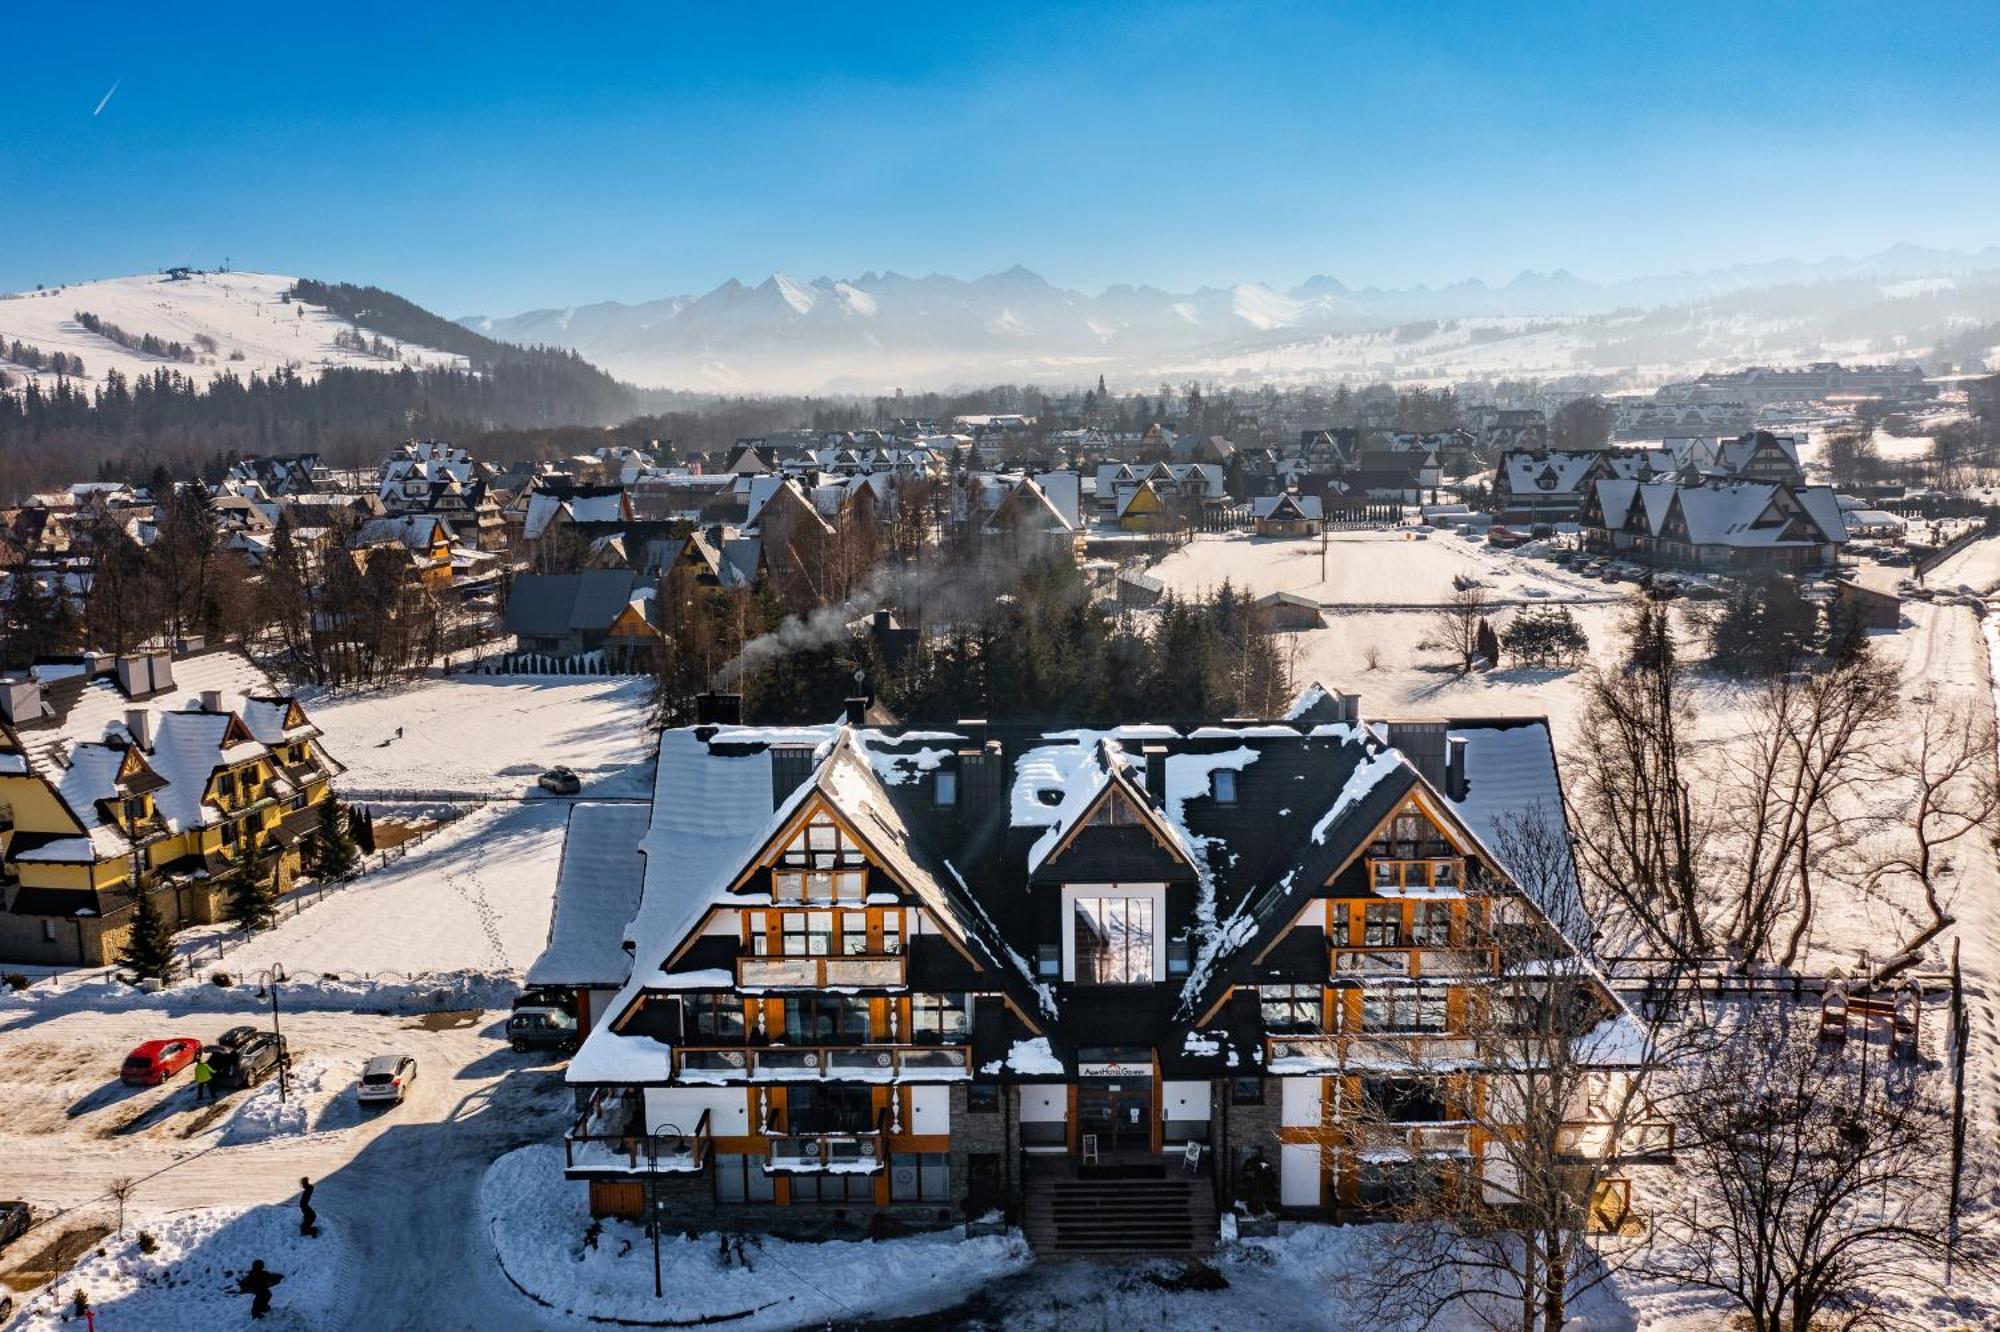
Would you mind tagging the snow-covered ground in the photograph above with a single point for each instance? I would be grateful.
(396, 1185)
(538, 1219)
(488, 735)
(254, 332)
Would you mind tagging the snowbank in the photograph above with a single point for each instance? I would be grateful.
(537, 1220)
(188, 1284)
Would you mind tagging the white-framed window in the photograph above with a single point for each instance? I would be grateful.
(1114, 933)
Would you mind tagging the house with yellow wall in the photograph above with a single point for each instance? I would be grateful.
(146, 774)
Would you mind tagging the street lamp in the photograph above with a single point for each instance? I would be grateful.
(272, 978)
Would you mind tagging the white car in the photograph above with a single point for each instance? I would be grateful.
(385, 1078)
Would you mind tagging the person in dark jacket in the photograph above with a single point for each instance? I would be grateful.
(308, 1218)
(258, 1283)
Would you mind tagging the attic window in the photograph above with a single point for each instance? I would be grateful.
(1050, 796)
(945, 790)
(1115, 811)
(1225, 786)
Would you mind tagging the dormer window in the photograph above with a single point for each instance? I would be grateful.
(1225, 786)
(1115, 811)
(944, 790)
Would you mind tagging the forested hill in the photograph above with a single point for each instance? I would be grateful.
(393, 316)
(54, 430)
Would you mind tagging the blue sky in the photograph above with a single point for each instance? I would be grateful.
(491, 158)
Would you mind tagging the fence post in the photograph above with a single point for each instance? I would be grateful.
(1958, 1047)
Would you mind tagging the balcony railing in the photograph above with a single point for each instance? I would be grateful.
(1412, 960)
(820, 973)
(829, 1153)
(1640, 1141)
(597, 1147)
(1367, 1051)
(823, 1063)
(1405, 1141)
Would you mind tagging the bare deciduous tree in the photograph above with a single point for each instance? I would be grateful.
(1809, 1198)
(1455, 624)
(1640, 836)
(1544, 1090)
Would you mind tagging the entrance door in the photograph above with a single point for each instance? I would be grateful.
(1119, 1111)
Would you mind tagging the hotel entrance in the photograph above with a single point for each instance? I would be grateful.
(1117, 1110)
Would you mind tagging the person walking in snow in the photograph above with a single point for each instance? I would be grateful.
(308, 1218)
(204, 1079)
(258, 1283)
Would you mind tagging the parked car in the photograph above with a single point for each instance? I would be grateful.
(560, 997)
(541, 1029)
(385, 1078)
(14, 1221)
(250, 1059)
(560, 781)
(236, 1036)
(154, 1062)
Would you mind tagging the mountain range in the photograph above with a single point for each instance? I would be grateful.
(884, 330)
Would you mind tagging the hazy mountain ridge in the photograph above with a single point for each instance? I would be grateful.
(883, 329)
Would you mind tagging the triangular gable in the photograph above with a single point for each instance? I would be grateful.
(1119, 803)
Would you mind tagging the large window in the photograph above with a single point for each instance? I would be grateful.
(919, 1177)
(821, 864)
(833, 1188)
(1289, 1007)
(1114, 940)
(1382, 925)
(826, 1020)
(1431, 926)
(741, 1179)
(938, 1019)
(834, 1107)
(1403, 1008)
(1405, 1100)
(715, 1019)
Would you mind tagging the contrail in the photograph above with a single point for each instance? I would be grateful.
(106, 99)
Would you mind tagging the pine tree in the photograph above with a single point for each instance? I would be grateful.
(334, 854)
(150, 950)
(253, 895)
(1489, 643)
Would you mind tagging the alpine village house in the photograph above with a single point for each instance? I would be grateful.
(1104, 983)
(148, 773)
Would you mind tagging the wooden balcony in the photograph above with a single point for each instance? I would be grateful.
(827, 1153)
(1642, 1141)
(1361, 1052)
(823, 1063)
(884, 972)
(1411, 961)
(1409, 1141)
(596, 1149)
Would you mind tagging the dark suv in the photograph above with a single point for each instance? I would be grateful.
(248, 1059)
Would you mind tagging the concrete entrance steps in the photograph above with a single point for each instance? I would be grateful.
(1113, 1214)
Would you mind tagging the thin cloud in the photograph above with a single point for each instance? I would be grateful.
(106, 99)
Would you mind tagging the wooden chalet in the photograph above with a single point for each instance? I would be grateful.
(933, 973)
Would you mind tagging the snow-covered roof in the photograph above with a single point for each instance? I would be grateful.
(597, 894)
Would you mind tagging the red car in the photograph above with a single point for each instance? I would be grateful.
(156, 1061)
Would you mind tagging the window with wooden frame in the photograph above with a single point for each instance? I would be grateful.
(821, 864)
(939, 1019)
(826, 1019)
(1430, 925)
(1409, 1009)
(1116, 810)
(715, 1019)
(1289, 1008)
(1382, 925)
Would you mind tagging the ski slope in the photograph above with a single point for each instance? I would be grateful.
(253, 329)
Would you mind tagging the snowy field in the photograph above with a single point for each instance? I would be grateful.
(253, 330)
(488, 735)
(1370, 568)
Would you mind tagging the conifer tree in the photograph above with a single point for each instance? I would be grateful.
(253, 894)
(335, 855)
(150, 950)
